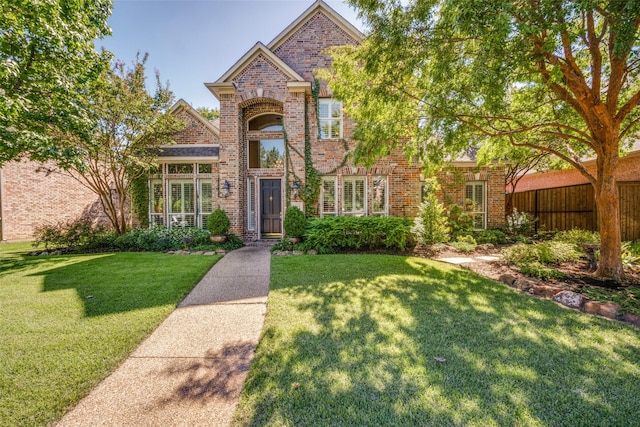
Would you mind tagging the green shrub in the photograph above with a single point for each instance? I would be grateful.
(73, 234)
(494, 236)
(546, 253)
(459, 220)
(430, 226)
(330, 234)
(463, 246)
(467, 239)
(285, 245)
(218, 223)
(540, 270)
(576, 235)
(630, 254)
(520, 222)
(295, 222)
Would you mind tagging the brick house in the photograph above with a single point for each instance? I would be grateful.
(33, 194)
(275, 121)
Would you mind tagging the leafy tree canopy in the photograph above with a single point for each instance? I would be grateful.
(208, 113)
(559, 76)
(127, 126)
(47, 58)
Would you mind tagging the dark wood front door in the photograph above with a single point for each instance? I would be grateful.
(270, 207)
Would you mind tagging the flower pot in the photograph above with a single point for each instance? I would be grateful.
(218, 239)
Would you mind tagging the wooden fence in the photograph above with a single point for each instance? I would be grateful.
(570, 207)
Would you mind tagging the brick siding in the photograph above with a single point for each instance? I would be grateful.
(628, 170)
(34, 194)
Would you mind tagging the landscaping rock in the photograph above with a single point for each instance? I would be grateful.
(485, 247)
(631, 318)
(544, 291)
(592, 307)
(312, 252)
(298, 253)
(523, 284)
(281, 253)
(221, 252)
(604, 309)
(209, 253)
(507, 279)
(609, 310)
(569, 299)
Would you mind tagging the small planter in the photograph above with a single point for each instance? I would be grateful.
(218, 239)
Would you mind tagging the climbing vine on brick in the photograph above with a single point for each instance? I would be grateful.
(140, 199)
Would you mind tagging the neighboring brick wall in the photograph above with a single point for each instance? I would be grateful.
(628, 170)
(31, 198)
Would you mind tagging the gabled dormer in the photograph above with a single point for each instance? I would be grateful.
(259, 73)
(303, 43)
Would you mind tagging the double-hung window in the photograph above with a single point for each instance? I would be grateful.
(328, 196)
(354, 195)
(475, 194)
(379, 196)
(330, 118)
(251, 203)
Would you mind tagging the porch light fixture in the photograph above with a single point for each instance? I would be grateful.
(226, 189)
(295, 188)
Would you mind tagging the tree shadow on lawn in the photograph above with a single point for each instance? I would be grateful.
(364, 346)
(115, 283)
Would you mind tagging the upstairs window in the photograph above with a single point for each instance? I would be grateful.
(266, 154)
(330, 117)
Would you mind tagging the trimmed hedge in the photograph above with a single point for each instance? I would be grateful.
(339, 233)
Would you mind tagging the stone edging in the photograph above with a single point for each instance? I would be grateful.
(570, 299)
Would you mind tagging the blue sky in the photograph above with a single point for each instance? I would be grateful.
(192, 42)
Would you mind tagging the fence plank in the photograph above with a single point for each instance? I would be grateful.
(564, 208)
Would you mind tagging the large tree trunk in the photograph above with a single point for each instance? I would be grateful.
(607, 203)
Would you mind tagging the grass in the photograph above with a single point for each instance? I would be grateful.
(352, 340)
(68, 321)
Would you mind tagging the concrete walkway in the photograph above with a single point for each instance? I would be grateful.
(191, 370)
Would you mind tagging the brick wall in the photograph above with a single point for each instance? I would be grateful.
(34, 194)
(303, 51)
(194, 132)
(628, 170)
(454, 179)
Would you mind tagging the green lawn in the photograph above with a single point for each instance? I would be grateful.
(352, 340)
(68, 321)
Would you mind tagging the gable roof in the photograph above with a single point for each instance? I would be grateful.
(225, 84)
(182, 105)
(319, 5)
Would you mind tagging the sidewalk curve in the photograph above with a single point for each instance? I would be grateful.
(191, 369)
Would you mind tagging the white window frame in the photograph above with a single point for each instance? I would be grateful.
(385, 211)
(353, 179)
(334, 180)
(153, 213)
(201, 214)
(251, 204)
(330, 102)
(197, 178)
(483, 209)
